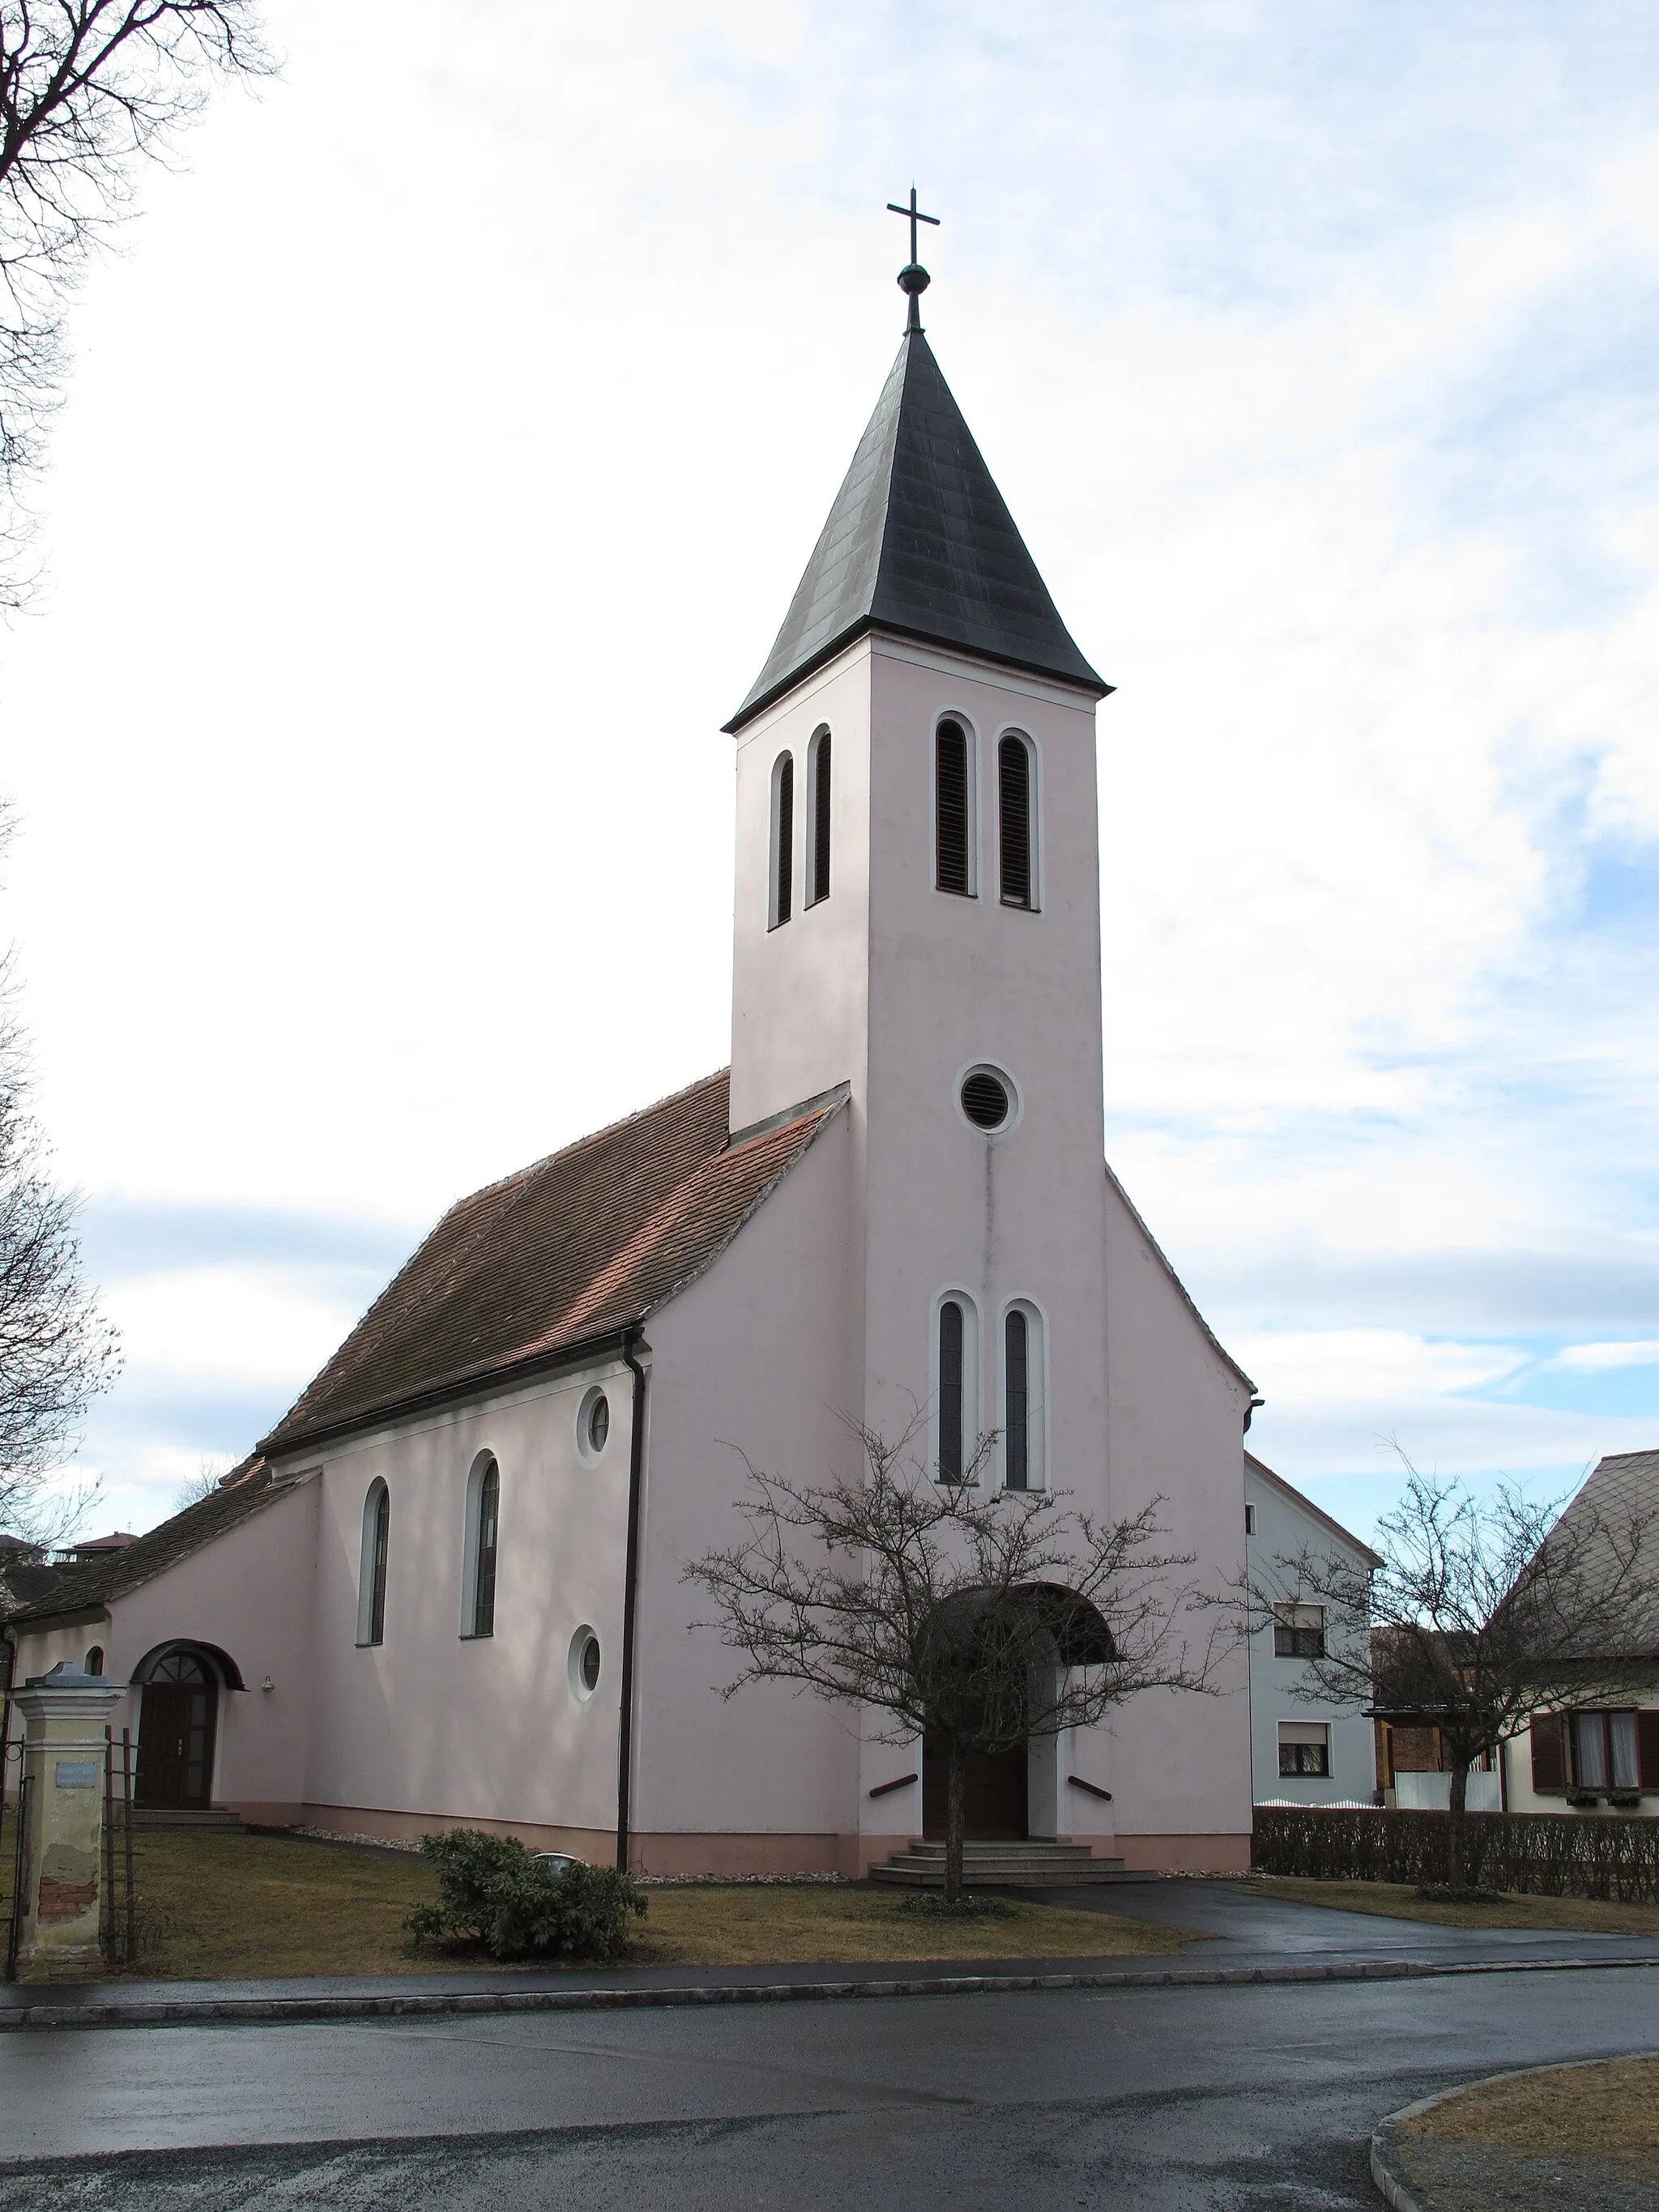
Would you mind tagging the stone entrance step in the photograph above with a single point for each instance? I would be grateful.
(1035, 1864)
(194, 1820)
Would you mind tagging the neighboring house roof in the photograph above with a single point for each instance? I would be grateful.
(96, 1546)
(920, 541)
(1163, 1259)
(78, 1591)
(1298, 1498)
(576, 1249)
(1621, 1493)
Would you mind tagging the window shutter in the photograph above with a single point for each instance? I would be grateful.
(951, 806)
(1014, 820)
(1647, 1749)
(1549, 1765)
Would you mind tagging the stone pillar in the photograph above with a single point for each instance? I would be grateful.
(63, 1717)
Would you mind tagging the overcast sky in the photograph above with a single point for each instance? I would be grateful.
(444, 445)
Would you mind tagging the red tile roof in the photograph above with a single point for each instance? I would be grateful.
(577, 1247)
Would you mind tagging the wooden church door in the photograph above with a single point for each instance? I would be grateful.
(994, 1793)
(176, 1732)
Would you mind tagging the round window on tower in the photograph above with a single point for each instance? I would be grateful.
(988, 1099)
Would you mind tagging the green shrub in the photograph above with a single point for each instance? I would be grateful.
(495, 1891)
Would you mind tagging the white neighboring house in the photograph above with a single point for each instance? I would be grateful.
(1300, 1753)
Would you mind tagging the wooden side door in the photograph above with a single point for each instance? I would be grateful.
(175, 1734)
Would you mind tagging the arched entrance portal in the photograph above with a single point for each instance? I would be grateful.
(996, 1794)
(177, 1724)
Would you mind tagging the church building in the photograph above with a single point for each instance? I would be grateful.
(448, 1588)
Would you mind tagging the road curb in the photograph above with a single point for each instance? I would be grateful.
(185, 2012)
(1386, 2169)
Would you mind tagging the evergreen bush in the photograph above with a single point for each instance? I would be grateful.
(495, 1891)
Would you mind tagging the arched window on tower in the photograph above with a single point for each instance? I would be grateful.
(1016, 821)
(956, 1387)
(780, 895)
(1023, 1398)
(817, 820)
(484, 1519)
(953, 809)
(371, 1575)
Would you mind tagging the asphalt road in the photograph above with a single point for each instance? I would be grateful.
(1238, 2097)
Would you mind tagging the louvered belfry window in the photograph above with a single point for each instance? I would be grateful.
(950, 804)
(1016, 1391)
(1014, 820)
(950, 1334)
(820, 817)
(489, 1518)
(783, 838)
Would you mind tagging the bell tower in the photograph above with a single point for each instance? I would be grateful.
(917, 916)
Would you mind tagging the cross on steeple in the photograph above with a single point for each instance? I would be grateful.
(912, 278)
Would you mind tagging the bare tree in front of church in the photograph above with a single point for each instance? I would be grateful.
(973, 1617)
(1486, 1610)
(56, 1350)
(86, 88)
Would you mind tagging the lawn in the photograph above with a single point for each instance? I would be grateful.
(1395, 1900)
(244, 1907)
(1609, 2110)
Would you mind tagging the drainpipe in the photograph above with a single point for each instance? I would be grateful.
(631, 1591)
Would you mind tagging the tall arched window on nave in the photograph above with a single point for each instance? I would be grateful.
(371, 1574)
(485, 1535)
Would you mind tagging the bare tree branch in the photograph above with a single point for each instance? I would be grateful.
(87, 87)
(975, 1616)
(56, 1351)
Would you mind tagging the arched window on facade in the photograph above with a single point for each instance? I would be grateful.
(483, 1536)
(956, 1387)
(1022, 1397)
(817, 820)
(953, 809)
(371, 1576)
(1016, 821)
(781, 894)
(94, 1662)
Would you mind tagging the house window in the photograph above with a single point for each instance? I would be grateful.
(1249, 1519)
(953, 809)
(817, 819)
(94, 1662)
(371, 1575)
(782, 893)
(1016, 822)
(592, 1424)
(1023, 1398)
(1298, 1632)
(1605, 1751)
(483, 1535)
(1304, 1748)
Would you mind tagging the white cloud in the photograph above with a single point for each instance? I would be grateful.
(1604, 1358)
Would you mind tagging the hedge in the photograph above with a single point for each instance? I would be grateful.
(1541, 1853)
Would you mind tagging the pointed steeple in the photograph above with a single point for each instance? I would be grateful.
(919, 542)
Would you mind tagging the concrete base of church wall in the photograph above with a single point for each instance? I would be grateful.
(1184, 1854)
(597, 1845)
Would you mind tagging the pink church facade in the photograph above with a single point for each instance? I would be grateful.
(842, 1231)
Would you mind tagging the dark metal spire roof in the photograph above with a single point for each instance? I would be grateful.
(919, 542)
